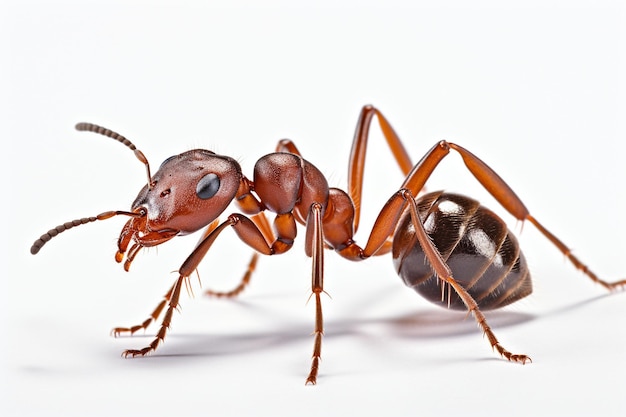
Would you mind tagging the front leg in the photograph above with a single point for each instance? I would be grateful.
(165, 325)
(173, 296)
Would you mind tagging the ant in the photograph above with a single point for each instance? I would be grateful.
(447, 247)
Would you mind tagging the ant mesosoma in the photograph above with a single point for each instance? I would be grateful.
(436, 239)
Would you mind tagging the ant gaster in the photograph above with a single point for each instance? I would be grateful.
(439, 241)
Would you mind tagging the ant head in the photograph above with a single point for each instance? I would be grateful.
(188, 192)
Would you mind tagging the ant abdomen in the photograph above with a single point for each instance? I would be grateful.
(483, 255)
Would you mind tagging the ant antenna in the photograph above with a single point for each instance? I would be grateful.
(113, 135)
(45, 238)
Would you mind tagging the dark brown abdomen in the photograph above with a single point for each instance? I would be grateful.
(482, 253)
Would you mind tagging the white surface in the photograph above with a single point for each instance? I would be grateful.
(537, 91)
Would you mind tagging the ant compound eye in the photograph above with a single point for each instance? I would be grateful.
(207, 186)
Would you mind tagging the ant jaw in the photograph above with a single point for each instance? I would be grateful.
(136, 231)
(119, 256)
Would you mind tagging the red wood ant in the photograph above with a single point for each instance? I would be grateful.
(436, 239)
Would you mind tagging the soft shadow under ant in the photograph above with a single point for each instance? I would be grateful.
(424, 324)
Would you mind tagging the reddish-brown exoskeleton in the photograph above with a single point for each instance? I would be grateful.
(436, 239)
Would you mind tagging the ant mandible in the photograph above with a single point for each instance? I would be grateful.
(436, 239)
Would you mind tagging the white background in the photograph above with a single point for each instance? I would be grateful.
(536, 89)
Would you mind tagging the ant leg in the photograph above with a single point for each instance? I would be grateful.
(389, 215)
(116, 332)
(173, 296)
(357, 159)
(260, 220)
(501, 191)
(573, 259)
(165, 325)
(315, 249)
(356, 164)
(492, 182)
(444, 273)
(250, 234)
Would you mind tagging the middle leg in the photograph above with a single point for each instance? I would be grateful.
(314, 246)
